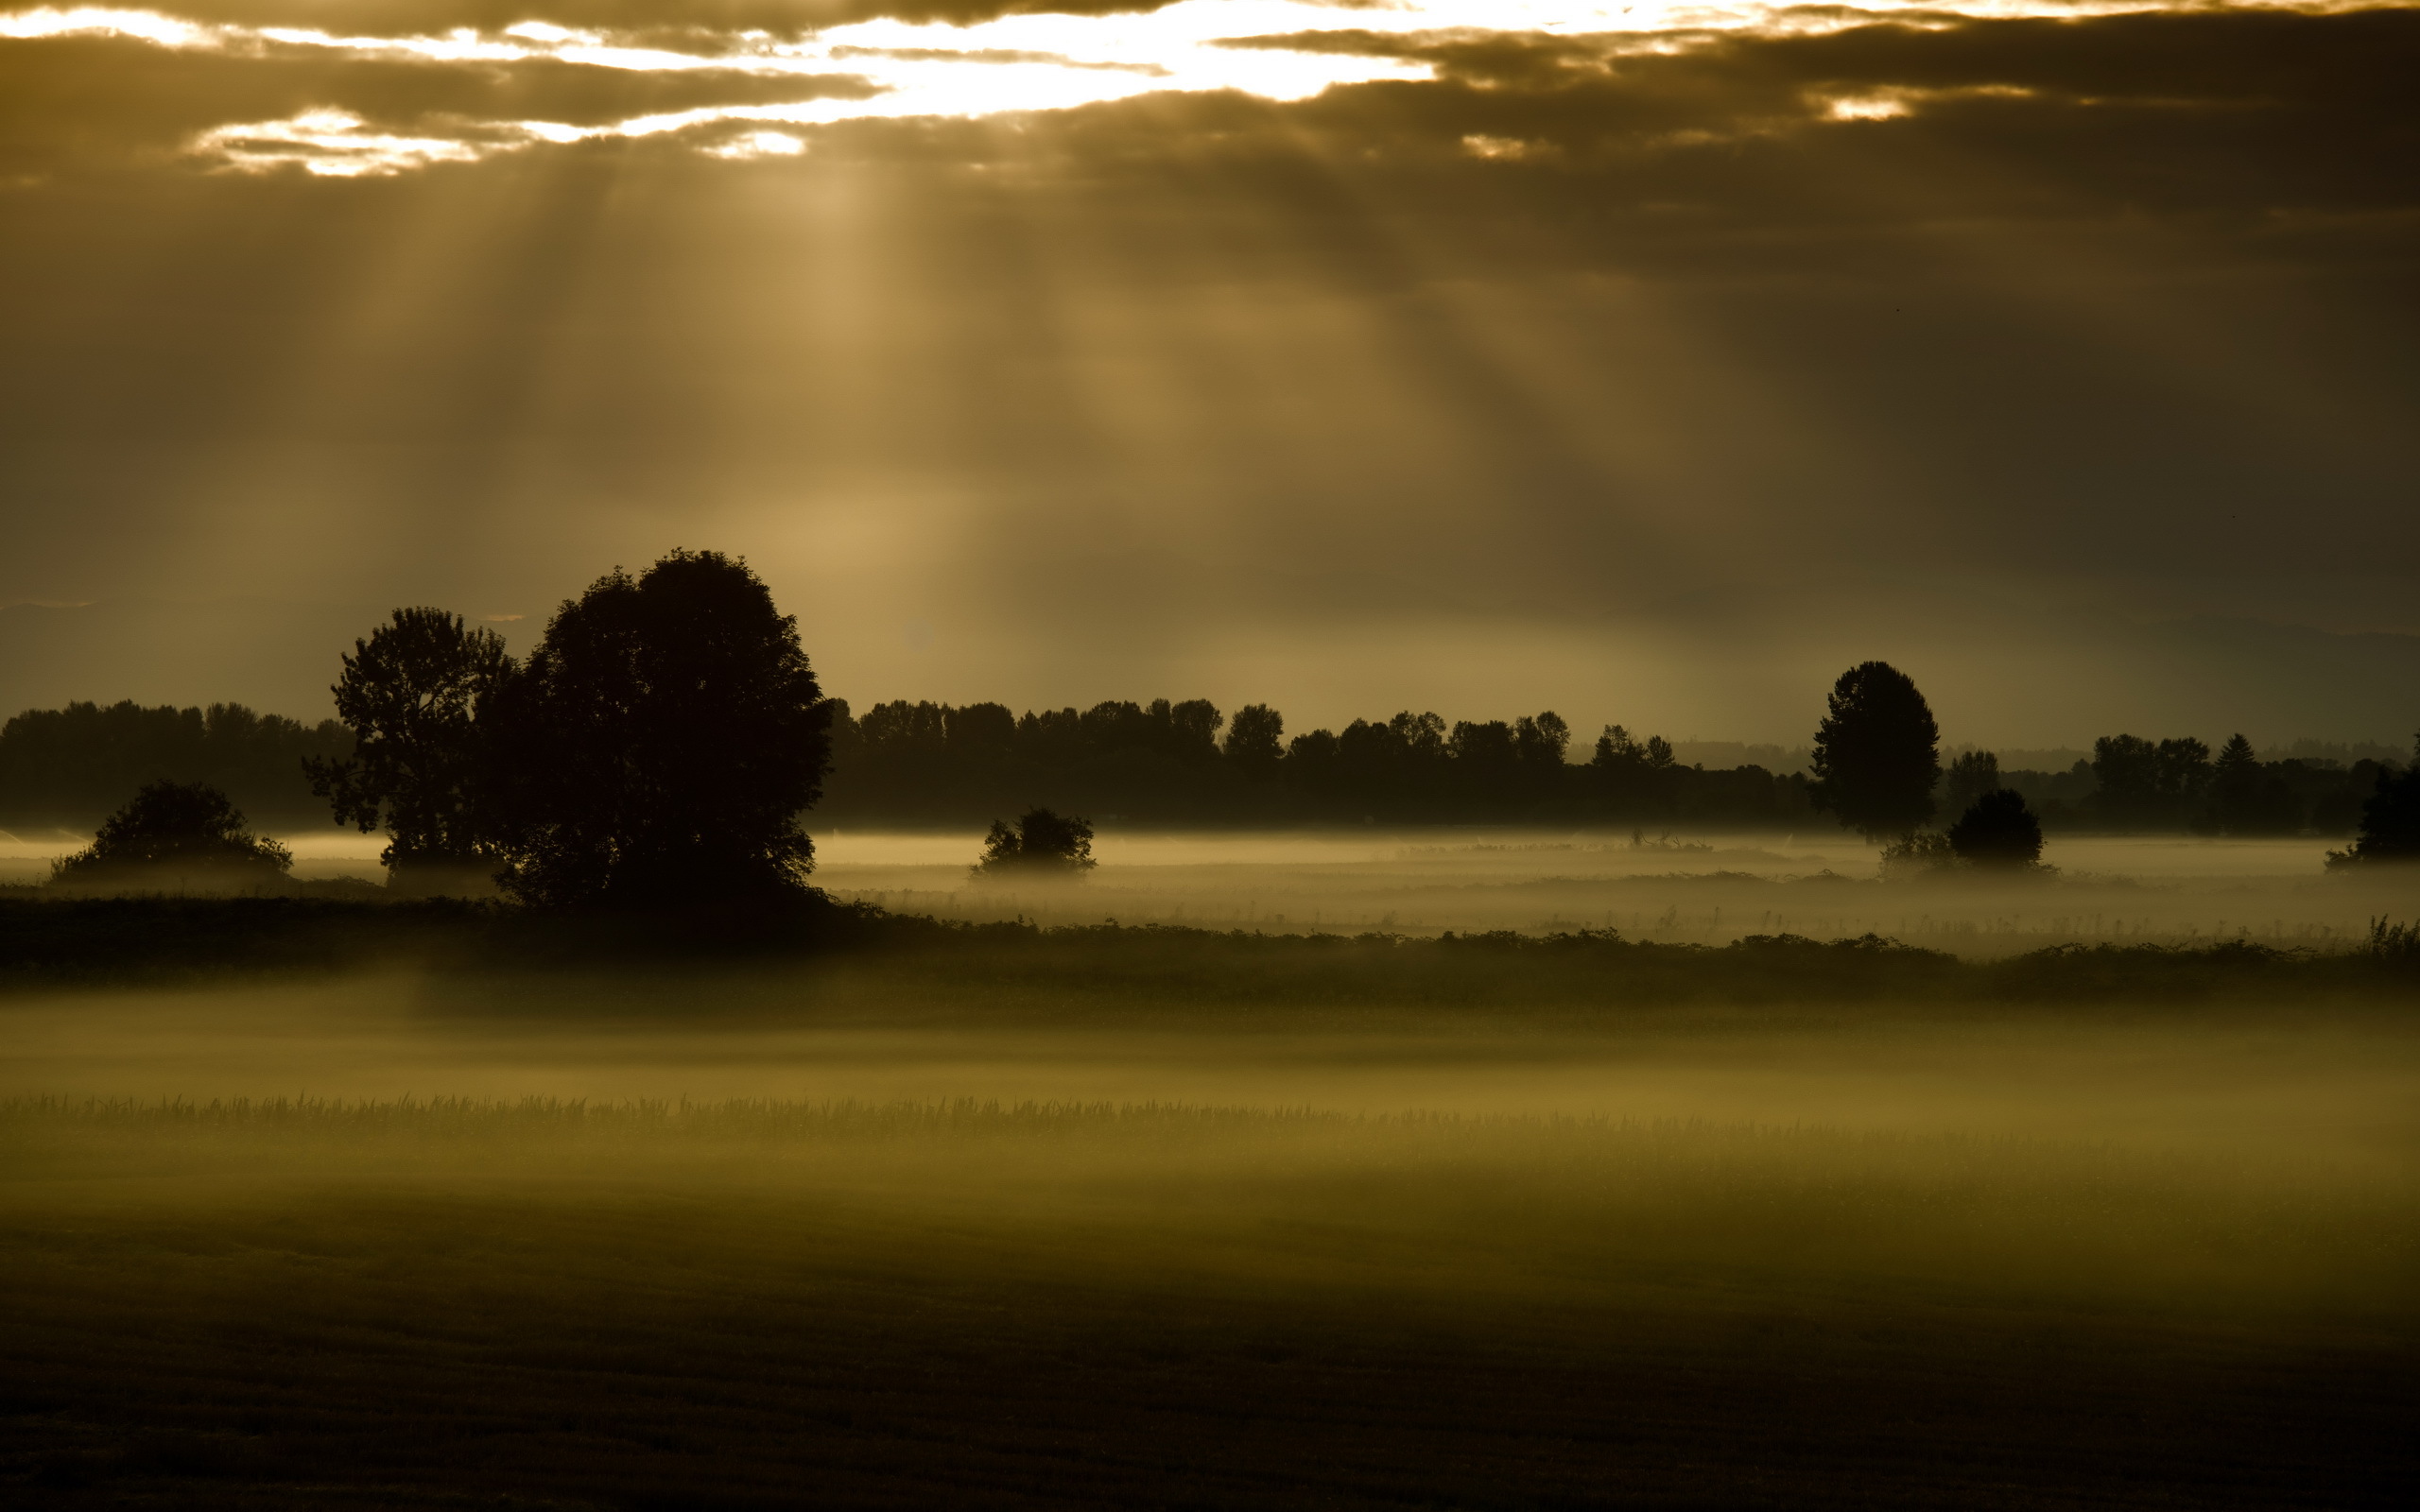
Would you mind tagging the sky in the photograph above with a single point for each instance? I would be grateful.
(1650, 363)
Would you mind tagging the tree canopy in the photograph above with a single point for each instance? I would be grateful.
(411, 693)
(1876, 752)
(660, 743)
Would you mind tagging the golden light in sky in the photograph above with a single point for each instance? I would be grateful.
(1347, 356)
(889, 68)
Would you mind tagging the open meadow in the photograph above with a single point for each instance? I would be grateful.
(1182, 1220)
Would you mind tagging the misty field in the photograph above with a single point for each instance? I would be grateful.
(1694, 888)
(778, 1237)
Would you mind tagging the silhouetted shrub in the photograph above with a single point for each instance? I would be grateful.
(1040, 844)
(1998, 829)
(172, 837)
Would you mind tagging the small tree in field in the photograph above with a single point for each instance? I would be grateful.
(411, 693)
(1042, 844)
(176, 835)
(660, 744)
(1998, 829)
(1876, 752)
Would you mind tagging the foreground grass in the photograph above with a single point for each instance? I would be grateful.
(765, 1303)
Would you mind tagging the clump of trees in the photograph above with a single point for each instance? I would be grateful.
(176, 837)
(655, 751)
(1040, 844)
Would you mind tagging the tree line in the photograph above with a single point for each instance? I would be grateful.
(69, 769)
(1187, 762)
(662, 742)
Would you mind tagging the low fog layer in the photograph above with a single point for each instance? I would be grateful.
(1678, 888)
(1707, 889)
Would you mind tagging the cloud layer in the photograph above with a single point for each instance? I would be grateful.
(1447, 355)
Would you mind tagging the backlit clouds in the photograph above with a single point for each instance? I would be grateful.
(1433, 353)
(894, 66)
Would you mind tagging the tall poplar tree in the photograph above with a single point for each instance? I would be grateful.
(1877, 753)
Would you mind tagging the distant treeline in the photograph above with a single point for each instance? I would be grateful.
(1165, 763)
(2132, 784)
(69, 769)
(1187, 764)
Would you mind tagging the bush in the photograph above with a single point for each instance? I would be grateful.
(1042, 844)
(176, 836)
(1998, 831)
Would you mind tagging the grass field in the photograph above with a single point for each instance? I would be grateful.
(1881, 1255)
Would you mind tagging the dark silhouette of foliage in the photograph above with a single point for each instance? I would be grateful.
(1998, 829)
(2249, 797)
(1969, 777)
(1917, 853)
(2390, 829)
(1876, 752)
(69, 768)
(1253, 745)
(411, 693)
(660, 744)
(1040, 844)
(2144, 785)
(175, 835)
(927, 763)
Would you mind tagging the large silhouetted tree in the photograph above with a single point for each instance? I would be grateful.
(176, 835)
(411, 695)
(657, 746)
(1876, 752)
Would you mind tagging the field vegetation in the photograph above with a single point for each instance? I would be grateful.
(1862, 1259)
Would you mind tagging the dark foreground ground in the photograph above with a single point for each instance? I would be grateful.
(443, 1309)
(534, 1356)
